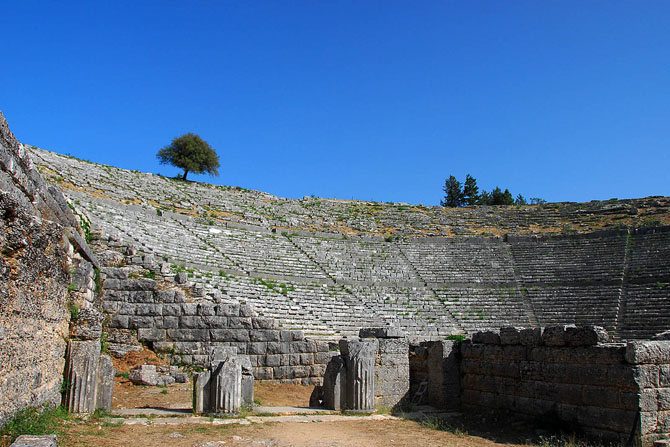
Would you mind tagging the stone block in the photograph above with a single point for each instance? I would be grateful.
(150, 309)
(150, 334)
(306, 345)
(263, 335)
(230, 335)
(554, 336)
(214, 322)
(264, 373)
(36, 441)
(191, 322)
(381, 332)
(664, 379)
(530, 336)
(646, 376)
(187, 335)
(144, 375)
(263, 323)
(510, 335)
(657, 352)
(240, 323)
(87, 326)
(585, 335)
(245, 310)
(287, 336)
(138, 322)
(486, 337)
(105, 383)
(206, 310)
(181, 278)
(165, 296)
(273, 360)
(334, 384)
(170, 323)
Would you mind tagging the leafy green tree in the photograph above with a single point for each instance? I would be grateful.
(453, 195)
(537, 201)
(190, 153)
(470, 190)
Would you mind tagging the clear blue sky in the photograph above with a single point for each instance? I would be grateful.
(373, 100)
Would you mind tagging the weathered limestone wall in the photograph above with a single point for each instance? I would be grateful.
(187, 328)
(435, 374)
(392, 376)
(563, 375)
(38, 246)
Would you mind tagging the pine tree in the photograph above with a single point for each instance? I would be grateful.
(470, 190)
(453, 195)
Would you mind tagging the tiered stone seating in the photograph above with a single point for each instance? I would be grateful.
(358, 260)
(484, 308)
(646, 310)
(650, 252)
(460, 260)
(329, 267)
(580, 305)
(570, 260)
(264, 253)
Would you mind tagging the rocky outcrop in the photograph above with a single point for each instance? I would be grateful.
(39, 244)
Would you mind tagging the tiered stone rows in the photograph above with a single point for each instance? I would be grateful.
(482, 308)
(343, 217)
(254, 247)
(576, 259)
(649, 255)
(358, 261)
(460, 260)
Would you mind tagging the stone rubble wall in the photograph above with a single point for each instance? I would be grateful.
(564, 376)
(40, 245)
(186, 328)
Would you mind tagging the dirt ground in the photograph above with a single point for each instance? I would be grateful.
(347, 431)
(354, 433)
(179, 395)
(282, 395)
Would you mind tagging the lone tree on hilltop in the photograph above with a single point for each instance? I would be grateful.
(190, 153)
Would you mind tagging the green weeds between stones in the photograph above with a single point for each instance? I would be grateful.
(35, 421)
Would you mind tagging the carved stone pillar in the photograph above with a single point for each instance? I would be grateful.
(81, 376)
(359, 359)
(226, 386)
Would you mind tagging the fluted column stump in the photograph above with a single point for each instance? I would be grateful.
(81, 376)
(359, 359)
(226, 386)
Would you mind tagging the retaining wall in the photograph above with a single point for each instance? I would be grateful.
(606, 390)
(186, 328)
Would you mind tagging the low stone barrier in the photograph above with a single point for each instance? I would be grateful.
(571, 376)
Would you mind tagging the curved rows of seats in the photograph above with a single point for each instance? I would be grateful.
(359, 260)
(431, 286)
(570, 260)
(575, 305)
(459, 260)
(649, 256)
(646, 310)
